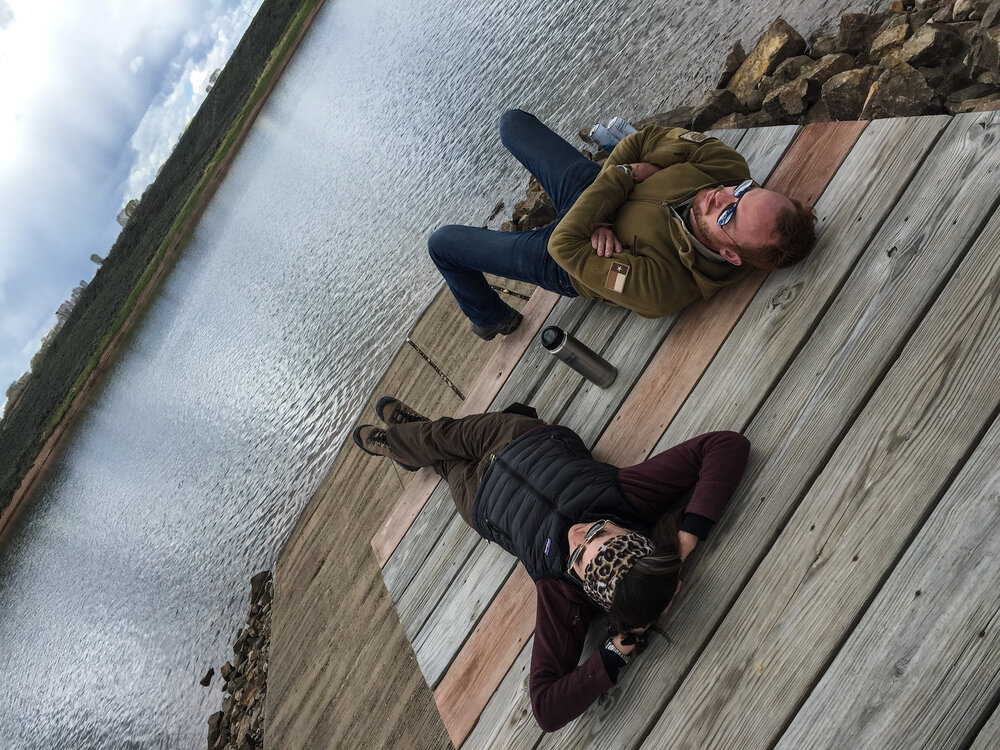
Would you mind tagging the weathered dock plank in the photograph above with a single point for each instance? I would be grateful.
(495, 727)
(989, 736)
(888, 470)
(469, 679)
(933, 624)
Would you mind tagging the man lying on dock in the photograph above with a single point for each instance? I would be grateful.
(595, 539)
(671, 217)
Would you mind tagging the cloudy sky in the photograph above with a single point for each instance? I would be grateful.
(93, 96)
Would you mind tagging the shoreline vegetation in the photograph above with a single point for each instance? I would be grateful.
(47, 432)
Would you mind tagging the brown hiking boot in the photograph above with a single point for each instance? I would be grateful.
(505, 327)
(372, 440)
(393, 411)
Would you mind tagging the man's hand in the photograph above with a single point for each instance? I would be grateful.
(605, 243)
(643, 169)
(688, 542)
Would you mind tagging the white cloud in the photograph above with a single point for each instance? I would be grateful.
(110, 88)
(6, 14)
(167, 118)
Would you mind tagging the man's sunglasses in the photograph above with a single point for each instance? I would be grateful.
(727, 215)
(591, 533)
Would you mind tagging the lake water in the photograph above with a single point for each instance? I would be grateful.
(128, 577)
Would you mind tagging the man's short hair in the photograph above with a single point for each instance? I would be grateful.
(796, 230)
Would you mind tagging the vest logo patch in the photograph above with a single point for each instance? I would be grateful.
(617, 275)
(694, 136)
(548, 546)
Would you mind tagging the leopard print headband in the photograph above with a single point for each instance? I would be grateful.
(615, 558)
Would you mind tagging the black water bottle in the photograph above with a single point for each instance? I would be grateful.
(580, 357)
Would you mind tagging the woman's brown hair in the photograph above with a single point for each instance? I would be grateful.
(647, 588)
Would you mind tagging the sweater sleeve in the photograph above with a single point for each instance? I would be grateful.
(561, 689)
(709, 466)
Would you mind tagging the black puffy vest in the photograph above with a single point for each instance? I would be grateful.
(540, 485)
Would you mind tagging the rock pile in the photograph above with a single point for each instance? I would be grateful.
(240, 723)
(918, 57)
(534, 212)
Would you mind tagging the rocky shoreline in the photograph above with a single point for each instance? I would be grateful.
(918, 57)
(240, 723)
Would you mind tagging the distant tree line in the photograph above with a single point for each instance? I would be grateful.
(22, 431)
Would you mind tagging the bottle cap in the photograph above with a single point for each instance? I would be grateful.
(553, 337)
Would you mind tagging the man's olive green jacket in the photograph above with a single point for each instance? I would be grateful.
(664, 272)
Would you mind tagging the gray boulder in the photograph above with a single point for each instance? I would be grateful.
(777, 44)
(930, 45)
(713, 105)
(900, 91)
(845, 93)
(793, 99)
(828, 66)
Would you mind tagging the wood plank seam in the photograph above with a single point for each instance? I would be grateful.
(785, 178)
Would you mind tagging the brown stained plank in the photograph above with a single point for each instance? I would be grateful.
(494, 374)
(500, 636)
(805, 171)
(814, 158)
(673, 372)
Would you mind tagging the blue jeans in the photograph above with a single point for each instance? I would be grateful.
(463, 254)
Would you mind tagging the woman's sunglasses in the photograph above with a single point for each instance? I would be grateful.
(591, 533)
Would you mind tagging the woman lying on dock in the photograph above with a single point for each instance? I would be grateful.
(595, 539)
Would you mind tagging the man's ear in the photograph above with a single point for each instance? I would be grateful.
(731, 257)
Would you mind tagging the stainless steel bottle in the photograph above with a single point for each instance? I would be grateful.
(580, 357)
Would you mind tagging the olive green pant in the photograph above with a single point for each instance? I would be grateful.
(458, 449)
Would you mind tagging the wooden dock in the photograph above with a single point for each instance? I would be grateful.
(849, 597)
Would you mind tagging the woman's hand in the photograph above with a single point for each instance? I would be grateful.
(605, 242)
(688, 542)
(633, 642)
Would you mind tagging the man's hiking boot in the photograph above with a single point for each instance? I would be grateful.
(393, 411)
(506, 326)
(371, 440)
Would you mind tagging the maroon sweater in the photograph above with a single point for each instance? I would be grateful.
(710, 466)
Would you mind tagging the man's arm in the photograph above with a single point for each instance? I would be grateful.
(648, 288)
